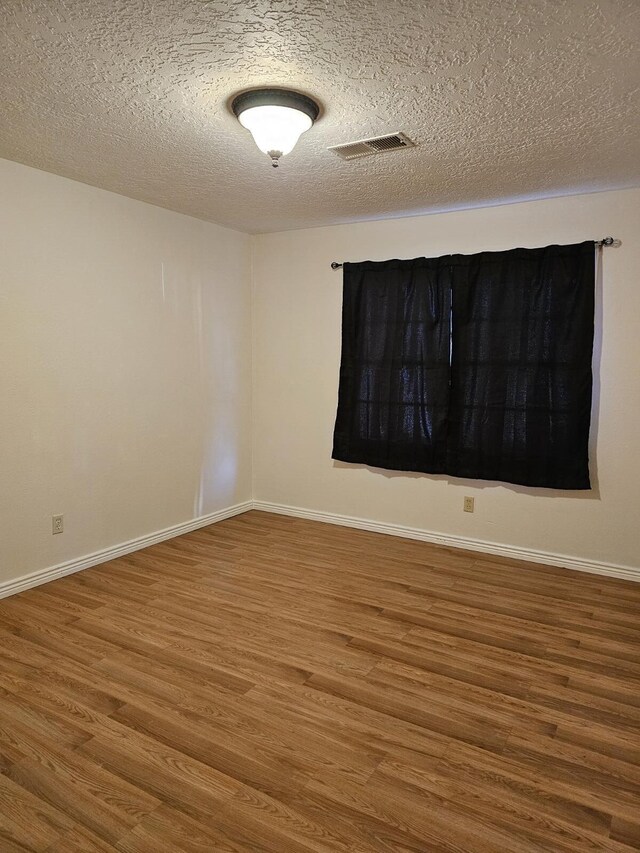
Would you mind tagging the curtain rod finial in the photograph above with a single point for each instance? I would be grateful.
(335, 265)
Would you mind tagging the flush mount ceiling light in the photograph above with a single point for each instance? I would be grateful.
(276, 118)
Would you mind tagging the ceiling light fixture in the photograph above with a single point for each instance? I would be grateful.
(276, 118)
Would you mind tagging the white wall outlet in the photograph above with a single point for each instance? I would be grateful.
(57, 524)
(469, 504)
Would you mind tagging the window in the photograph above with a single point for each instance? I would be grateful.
(477, 366)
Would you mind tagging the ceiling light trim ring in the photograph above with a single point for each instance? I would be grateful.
(276, 98)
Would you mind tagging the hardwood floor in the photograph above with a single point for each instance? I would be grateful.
(273, 684)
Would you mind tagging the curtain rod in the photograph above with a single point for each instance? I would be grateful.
(606, 241)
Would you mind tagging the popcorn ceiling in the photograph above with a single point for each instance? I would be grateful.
(505, 100)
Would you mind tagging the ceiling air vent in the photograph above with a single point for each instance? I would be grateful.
(377, 145)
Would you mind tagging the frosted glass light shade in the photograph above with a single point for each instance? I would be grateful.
(275, 118)
(274, 128)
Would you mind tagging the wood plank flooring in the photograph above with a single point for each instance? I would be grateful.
(273, 684)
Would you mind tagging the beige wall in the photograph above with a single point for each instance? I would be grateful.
(297, 302)
(125, 374)
(125, 369)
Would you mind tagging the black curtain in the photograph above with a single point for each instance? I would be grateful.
(394, 375)
(478, 366)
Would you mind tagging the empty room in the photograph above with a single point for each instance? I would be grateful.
(319, 426)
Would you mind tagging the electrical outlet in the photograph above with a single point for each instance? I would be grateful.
(468, 505)
(57, 524)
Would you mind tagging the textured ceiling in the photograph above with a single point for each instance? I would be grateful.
(506, 99)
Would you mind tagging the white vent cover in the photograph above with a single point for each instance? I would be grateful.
(377, 145)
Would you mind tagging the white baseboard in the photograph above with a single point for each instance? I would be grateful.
(20, 584)
(515, 552)
(11, 587)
